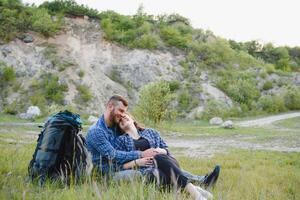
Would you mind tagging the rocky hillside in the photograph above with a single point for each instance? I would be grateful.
(80, 61)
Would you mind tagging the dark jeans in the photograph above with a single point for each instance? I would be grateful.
(167, 172)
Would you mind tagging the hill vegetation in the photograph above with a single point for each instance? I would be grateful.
(232, 63)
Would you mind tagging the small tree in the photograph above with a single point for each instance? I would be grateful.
(154, 99)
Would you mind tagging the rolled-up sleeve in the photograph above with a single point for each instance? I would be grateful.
(161, 142)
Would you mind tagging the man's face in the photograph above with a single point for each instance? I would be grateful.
(117, 112)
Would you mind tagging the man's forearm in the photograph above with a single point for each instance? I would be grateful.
(122, 156)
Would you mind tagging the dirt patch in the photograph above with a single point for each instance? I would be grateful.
(207, 147)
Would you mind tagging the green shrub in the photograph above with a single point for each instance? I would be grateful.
(7, 80)
(38, 99)
(154, 99)
(268, 85)
(54, 91)
(266, 103)
(263, 74)
(241, 87)
(119, 28)
(292, 98)
(133, 32)
(84, 93)
(49, 88)
(215, 108)
(213, 54)
(270, 68)
(14, 19)
(11, 108)
(173, 37)
(43, 23)
(278, 102)
(270, 103)
(147, 41)
(8, 24)
(174, 85)
(244, 60)
(8, 74)
(81, 73)
(69, 7)
(184, 99)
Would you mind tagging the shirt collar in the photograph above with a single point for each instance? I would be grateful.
(101, 124)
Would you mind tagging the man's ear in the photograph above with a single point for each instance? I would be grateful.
(110, 106)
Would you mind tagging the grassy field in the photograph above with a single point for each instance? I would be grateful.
(245, 174)
(287, 129)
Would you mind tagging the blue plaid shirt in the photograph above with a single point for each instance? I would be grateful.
(101, 142)
(126, 143)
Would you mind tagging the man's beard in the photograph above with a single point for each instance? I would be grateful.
(113, 118)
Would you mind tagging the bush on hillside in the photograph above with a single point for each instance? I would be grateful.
(11, 108)
(8, 24)
(174, 85)
(184, 99)
(216, 108)
(49, 88)
(84, 93)
(69, 7)
(7, 74)
(271, 104)
(172, 37)
(212, 54)
(292, 98)
(43, 23)
(241, 87)
(154, 99)
(268, 85)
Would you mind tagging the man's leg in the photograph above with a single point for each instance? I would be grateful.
(126, 175)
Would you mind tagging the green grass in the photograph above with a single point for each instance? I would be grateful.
(293, 123)
(10, 118)
(245, 174)
(202, 129)
(252, 174)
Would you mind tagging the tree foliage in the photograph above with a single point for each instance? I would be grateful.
(69, 7)
(43, 23)
(154, 99)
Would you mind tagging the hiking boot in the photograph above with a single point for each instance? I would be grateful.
(211, 178)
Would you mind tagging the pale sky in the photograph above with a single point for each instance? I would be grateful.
(276, 21)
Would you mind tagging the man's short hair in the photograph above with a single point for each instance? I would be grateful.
(116, 99)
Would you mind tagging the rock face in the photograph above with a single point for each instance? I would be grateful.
(32, 112)
(107, 68)
(215, 121)
(195, 113)
(215, 93)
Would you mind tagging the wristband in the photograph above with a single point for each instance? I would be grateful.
(135, 162)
